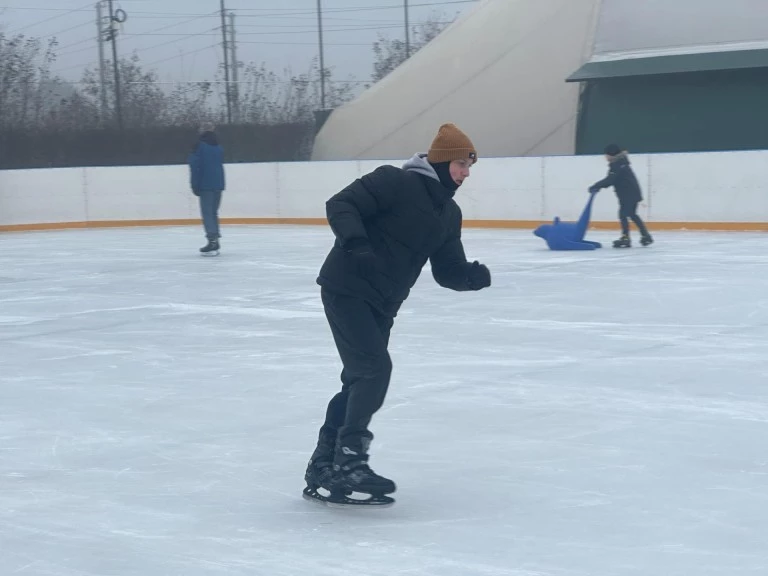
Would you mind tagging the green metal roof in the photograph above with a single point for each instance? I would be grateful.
(680, 63)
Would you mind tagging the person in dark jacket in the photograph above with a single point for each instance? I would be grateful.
(387, 224)
(624, 182)
(206, 171)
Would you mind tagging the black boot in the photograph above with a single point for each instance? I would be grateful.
(210, 249)
(320, 468)
(623, 242)
(646, 239)
(350, 473)
(354, 474)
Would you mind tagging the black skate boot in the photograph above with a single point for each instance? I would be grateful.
(210, 249)
(320, 472)
(646, 239)
(623, 242)
(354, 475)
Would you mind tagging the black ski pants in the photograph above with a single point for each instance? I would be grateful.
(361, 334)
(628, 211)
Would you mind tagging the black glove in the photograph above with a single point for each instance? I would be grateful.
(195, 191)
(364, 256)
(593, 189)
(479, 276)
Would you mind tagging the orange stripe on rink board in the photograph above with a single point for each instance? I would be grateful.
(498, 224)
(713, 226)
(135, 223)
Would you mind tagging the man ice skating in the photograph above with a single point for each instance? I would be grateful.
(387, 224)
(206, 171)
(624, 181)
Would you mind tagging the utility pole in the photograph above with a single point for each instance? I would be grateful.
(226, 62)
(407, 34)
(116, 17)
(322, 56)
(235, 85)
(102, 62)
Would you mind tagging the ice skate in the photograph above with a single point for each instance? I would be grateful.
(210, 249)
(354, 476)
(352, 483)
(646, 240)
(320, 473)
(320, 481)
(623, 242)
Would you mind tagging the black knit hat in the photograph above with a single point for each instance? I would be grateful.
(612, 150)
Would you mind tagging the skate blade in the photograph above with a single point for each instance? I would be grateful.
(210, 254)
(341, 501)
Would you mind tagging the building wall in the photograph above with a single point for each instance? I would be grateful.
(723, 110)
(705, 191)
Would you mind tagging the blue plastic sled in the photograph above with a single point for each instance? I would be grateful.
(569, 235)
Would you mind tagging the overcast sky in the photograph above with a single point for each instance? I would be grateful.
(181, 39)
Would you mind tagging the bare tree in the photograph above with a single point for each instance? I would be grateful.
(27, 89)
(54, 123)
(144, 102)
(269, 98)
(389, 54)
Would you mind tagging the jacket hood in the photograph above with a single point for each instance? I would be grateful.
(419, 164)
(621, 158)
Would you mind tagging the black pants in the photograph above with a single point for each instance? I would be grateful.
(362, 336)
(628, 210)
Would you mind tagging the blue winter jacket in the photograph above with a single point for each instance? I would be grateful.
(206, 165)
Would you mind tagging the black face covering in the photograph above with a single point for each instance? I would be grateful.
(444, 173)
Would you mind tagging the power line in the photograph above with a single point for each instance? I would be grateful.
(83, 41)
(312, 18)
(179, 55)
(135, 50)
(296, 28)
(266, 43)
(54, 34)
(59, 55)
(168, 26)
(184, 37)
(272, 33)
(298, 11)
(87, 9)
(46, 19)
(128, 36)
(366, 25)
(269, 12)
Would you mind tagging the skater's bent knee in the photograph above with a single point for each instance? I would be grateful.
(375, 367)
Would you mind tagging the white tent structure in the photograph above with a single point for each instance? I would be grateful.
(500, 72)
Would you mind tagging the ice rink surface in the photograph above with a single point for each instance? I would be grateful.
(591, 414)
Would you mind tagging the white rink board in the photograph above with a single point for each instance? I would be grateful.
(53, 195)
(710, 187)
(723, 187)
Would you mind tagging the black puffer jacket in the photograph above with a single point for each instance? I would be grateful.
(623, 180)
(407, 216)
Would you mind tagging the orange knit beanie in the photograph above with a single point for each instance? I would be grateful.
(451, 144)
